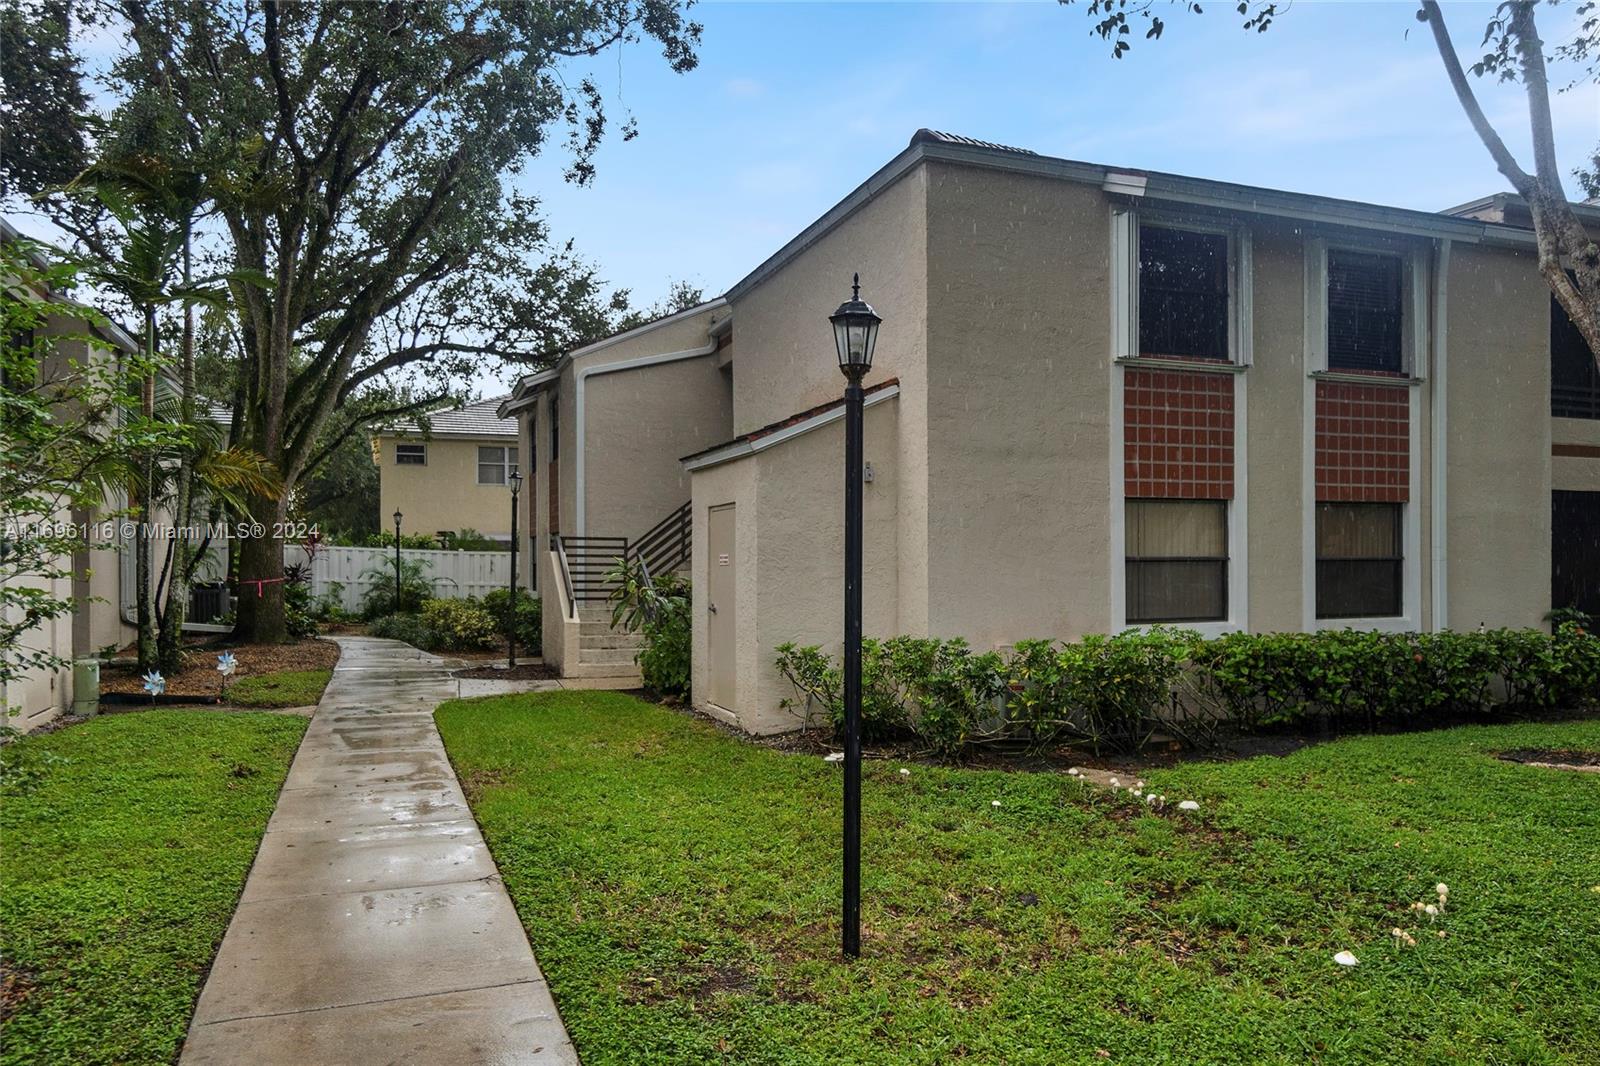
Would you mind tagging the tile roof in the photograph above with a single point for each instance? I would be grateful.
(475, 420)
(479, 419)
(784, 423)
(927, 136)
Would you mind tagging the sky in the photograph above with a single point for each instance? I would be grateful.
(795, 104)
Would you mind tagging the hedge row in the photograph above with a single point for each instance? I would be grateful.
(1119, 691)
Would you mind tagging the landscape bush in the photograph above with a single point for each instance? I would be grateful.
(458, 625)
(1118, 692)
(659, 610)
(404, 627)
(530, 631)
(379, 599)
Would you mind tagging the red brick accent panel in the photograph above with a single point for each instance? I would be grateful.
(1177, 440)
(1363, 443)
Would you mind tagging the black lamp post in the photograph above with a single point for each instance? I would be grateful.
(397, 561)
(855, 334)
(511, 619)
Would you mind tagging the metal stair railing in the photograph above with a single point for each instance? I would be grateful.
(585, 561)
(667, 545)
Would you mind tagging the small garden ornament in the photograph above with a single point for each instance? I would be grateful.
(154, 684)
(226, 665)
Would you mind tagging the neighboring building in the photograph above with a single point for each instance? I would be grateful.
(453, 477)
(604, 429)
(1106, 398)
(96, 582)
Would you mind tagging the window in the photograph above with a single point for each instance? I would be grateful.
(555, 426)
(1177, 560)
(496, 464)
(1574, 563)
(1183, 293)
(411, 455)
(1364, 316)
(1360, 562)
(1574, 381)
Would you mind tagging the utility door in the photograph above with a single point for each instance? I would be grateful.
(721, 605)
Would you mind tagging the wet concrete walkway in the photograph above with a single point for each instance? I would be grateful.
(373, 927)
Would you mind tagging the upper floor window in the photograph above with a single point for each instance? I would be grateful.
(496, 464)
(1574, 380)
(1365, 330)
(1183, 293)
(411, 454)
(555, 425)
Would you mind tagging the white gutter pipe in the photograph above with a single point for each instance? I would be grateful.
(1439, 468)
(581, 375)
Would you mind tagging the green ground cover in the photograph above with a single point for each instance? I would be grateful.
(289, 688)
(680, 889)
(120, 866)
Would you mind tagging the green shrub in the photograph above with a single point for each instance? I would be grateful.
(458, 625)
(661, 611)
(299, 609)
(378, 577)
(404, 627)
(1118, 691)
(530, 631)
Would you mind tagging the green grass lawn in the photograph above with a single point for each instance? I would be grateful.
(289, 688)
(681, 888)
(119, 872)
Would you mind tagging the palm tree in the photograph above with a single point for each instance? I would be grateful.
(156, 203)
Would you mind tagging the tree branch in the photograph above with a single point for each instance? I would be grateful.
(1503, 159)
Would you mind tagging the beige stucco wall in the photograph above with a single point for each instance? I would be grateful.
(785, 361)
(1573, 472)
(1499, 439)
(789, 538)
(638, 424)
(1273, 489)
(1018, 406)
(444, 493)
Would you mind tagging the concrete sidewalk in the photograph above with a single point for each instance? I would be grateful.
(374, 927)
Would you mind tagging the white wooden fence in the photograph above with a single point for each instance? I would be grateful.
(455, 574)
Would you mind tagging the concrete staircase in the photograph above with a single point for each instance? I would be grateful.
(603, 651)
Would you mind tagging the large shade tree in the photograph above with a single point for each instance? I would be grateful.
(370, 181)
(1510, 50)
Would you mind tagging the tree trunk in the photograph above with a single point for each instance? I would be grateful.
(259, 619)
(170, 643)
(143, 609)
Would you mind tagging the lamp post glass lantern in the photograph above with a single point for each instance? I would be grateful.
(397, 562)
(855, 335)
(511, 618)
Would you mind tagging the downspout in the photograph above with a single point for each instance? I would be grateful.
(584, 373)
(1439, 468)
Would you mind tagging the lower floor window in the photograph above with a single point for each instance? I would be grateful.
(1360, 561)
(1574, 559)
(1177, 561)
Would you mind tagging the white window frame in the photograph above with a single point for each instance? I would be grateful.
(508, 464)
(1125, 225)
(1124, 336)
(1414, 280)
(1410, 618)
(422, 450)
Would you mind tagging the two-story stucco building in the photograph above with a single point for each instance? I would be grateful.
(455, 476)
(1107, 398)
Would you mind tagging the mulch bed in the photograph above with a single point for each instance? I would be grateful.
(199, 675)
(522, 672)
(1554, 758)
